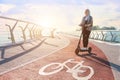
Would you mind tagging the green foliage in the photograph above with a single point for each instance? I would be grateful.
(95, 28)
(108, 28)
(103, 28)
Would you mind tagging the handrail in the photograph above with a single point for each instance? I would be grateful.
(16, 19)
(11, 32)
(23, 31)
(32, 33)
(106, 35)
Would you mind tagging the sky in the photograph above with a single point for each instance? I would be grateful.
(62, 14)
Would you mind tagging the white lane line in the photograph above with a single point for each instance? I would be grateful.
(68, 42)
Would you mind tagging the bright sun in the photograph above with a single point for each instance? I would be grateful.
(47, 23)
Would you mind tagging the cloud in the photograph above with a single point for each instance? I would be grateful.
(68, 14)
(41, 14)
(5, 7)
(102, 14)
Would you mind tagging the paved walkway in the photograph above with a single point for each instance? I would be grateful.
(16, 57)
(112, 51)
(99, 64)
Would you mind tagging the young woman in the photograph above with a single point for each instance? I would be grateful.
(87, 23)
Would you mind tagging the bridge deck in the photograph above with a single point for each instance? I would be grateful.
(99, 63)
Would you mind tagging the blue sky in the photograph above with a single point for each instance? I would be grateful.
(79, 2)
(62, 13)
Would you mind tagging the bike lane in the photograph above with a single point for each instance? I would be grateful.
(99, 64)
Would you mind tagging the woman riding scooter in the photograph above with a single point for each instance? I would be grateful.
(86, 24)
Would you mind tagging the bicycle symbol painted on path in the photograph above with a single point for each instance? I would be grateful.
(77, 71)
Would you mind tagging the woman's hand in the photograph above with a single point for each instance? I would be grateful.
(87, 25)
(89, 28)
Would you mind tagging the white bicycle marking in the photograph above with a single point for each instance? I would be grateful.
(41, 71)
(74, 71)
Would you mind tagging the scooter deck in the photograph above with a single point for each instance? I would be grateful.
(88, 54)
(78, 50)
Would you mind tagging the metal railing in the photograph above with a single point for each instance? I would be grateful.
(103, 35)
(106, 35)
(34, 33)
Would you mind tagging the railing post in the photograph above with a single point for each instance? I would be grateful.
(34, 32)
(102, 36)
(91, 35)
(97, 35)
(115, 37)
(111, 36)
(23, 31)
(11, 31)
(38, 33)
(52, 33)
(30, 31)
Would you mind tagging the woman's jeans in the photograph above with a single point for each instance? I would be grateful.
(86, 34)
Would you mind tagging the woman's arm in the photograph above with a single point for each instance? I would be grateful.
(82, 22)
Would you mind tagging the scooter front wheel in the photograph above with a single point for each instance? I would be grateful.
(89, 50)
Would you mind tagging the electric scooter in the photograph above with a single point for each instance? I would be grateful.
(79, 49)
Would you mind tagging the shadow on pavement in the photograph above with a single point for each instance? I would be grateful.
(50, 44)
(20, 54)
(101, 61)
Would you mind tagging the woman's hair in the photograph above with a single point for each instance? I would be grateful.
(87, 10)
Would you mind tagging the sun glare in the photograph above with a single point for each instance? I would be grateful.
(47, 23)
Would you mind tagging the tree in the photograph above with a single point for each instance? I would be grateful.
(96, 28)
(112, 28)
(108, 28)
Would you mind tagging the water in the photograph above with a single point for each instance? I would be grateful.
(102, 35)
(110, 36)
(5, 37)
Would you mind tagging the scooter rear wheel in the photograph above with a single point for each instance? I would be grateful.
(77, 50)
